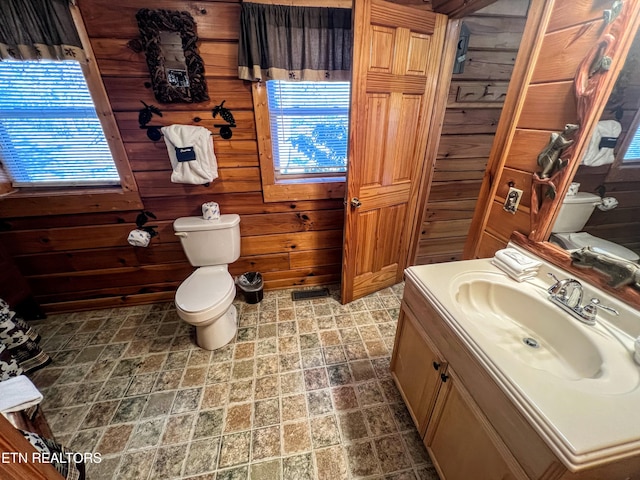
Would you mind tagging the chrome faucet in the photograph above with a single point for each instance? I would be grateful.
(567, 293)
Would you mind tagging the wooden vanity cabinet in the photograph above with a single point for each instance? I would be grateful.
(462, 443)
(471, 428)
(459, 438)
(416, 369)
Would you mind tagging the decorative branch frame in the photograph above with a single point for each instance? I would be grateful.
(152, 23)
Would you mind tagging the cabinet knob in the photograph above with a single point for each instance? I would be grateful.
(436, 366)
(444, 377)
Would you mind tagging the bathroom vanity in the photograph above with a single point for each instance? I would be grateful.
(491, 406)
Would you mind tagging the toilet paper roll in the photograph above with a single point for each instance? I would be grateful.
(573, 188)
(139, 238)
(608, 203)
(210, 211)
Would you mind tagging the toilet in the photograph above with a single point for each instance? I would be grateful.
(205, 298)
(574, 214)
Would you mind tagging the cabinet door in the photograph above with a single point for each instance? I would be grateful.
(416, 369)
(462, 442)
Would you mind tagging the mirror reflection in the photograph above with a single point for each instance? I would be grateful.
(602, 207)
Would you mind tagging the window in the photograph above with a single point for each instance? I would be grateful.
(309, 127)
(50, 134)
(632, 153)
(626, 166)
(303, 137)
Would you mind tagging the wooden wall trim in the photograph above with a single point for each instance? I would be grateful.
(103, 108)
(538, 18)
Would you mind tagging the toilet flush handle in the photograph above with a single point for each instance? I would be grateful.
(181, 234)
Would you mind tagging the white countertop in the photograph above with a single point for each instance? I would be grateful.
(585, 421)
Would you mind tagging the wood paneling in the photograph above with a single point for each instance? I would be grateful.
(459, 8)
(81, 260)
(473, 110)
(544, 103)
(117, 19)
(569, 47)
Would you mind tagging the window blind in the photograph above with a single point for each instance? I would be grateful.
(633, 150)
(50, 134)
(309, 127)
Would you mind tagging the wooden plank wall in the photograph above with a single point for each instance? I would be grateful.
(83, 261)
(548, 104)
(621, 225)
(474, 106)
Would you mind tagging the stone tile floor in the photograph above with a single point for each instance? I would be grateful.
(303, 392)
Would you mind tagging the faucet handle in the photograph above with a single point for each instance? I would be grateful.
(553, 288)
(595, 304)
(590, 310)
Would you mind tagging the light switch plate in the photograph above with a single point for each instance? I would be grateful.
(513, 200)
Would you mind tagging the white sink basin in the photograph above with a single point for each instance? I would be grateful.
(580, 387)
(535, 332)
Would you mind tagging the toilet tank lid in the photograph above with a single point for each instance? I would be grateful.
(194, 224)
(582, 197)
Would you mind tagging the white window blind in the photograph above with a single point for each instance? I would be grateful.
(633, 150)
(50, 134)
(309, 127)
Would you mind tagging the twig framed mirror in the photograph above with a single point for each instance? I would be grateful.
(169, 40)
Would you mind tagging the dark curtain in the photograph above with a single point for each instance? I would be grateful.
(38, 29)
(280, 42)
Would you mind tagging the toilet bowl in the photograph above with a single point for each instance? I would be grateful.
(573, 216)
(205, 298)
(577, 240)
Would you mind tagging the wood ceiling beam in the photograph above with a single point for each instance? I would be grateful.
(459, 8)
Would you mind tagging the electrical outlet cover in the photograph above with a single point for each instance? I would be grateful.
(513, 200)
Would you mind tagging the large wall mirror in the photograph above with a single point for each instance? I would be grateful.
(611, 169)
(170, 43)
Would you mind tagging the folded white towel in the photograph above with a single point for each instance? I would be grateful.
(18, 393)
(518, 276)
(596, 156)
(194, 145)
(517, 261)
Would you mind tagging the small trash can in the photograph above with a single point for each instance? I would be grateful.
(251, 285)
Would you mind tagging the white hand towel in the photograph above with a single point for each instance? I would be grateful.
(596, 156)
(18, 393)
(517, 261)
(516, 275)
(204, 168)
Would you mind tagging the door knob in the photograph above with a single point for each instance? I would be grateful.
(355, 202)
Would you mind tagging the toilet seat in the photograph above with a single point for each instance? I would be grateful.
(584, 239)
(205, 295)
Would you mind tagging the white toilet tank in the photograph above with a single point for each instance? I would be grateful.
(575, 212)
(209, 242)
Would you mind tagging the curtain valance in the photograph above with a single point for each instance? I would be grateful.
(38, 29)
(279, 42)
